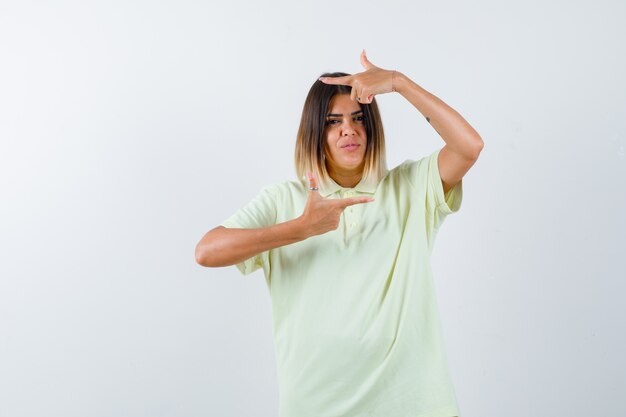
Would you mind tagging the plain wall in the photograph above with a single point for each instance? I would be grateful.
(129, 129)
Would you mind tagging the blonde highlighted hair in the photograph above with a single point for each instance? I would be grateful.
(310, 142)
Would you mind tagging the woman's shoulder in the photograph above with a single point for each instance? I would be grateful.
(412, 171)
(402, 167)
(284, 187)
(410, 164)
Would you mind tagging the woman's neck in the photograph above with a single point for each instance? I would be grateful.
(346, 179)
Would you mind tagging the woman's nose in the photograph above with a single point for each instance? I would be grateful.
(348, 129)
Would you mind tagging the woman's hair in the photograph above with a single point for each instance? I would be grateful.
(311, 141)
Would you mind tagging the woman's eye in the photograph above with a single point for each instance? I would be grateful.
(360, 119)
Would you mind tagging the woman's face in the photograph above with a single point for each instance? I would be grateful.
(346, 139)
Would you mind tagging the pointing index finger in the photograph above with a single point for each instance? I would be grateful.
(355, 200)
(345, 80)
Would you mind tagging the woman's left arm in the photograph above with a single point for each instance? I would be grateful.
(463, 143)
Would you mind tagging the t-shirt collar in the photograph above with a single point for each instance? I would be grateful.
(329, 186)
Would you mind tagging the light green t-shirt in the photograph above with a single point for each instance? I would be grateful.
(356, 324)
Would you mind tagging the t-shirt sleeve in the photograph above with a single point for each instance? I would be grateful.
(259, 212)
(424, 174)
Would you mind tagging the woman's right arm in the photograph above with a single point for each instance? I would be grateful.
(224, 246)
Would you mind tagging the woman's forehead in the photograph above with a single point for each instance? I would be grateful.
(343, 104)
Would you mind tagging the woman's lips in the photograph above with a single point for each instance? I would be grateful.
(350, 147)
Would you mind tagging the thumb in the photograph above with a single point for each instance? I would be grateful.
(366, 62)
(313, 188)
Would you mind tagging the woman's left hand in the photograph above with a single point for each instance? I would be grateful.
(365, 85)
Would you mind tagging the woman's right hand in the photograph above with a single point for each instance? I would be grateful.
(321, 214)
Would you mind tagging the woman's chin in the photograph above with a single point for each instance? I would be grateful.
(346, 164)
(352, 164)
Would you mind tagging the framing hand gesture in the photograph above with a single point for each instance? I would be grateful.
(372, 81)
(321, 214)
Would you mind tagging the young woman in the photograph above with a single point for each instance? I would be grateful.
(346, 254)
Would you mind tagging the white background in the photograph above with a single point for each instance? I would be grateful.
(129, 129)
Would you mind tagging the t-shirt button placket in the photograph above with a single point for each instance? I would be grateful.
(352, 223)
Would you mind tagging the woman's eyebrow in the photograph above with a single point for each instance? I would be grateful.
(339, 114)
